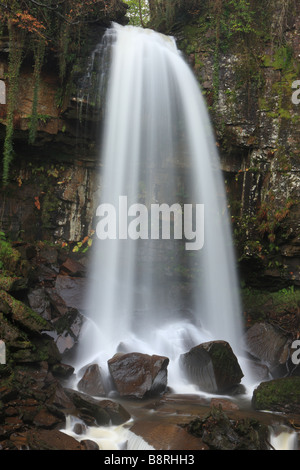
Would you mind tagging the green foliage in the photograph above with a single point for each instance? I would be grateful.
(259, 235)
(261, 304)
(241, 17)
(15, 59)
(138, 13)
(8, 256)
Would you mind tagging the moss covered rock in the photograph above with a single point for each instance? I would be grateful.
(220, 432)
(281, 395)
(23, 316)
(212, 366)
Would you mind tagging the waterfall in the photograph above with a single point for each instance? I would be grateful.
(158, 294)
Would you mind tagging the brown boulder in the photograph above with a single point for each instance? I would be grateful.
(212, 366)
(44, 439)
(268, 344)
(139, 375)
(72, 267)
(93, 411)
(92, 382)
(167, 436)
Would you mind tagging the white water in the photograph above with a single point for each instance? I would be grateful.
(108, 438)
(157, 143)
(283, 438)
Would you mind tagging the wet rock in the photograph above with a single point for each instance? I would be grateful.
(46, 275)
(57, 303)
(39, 302)
(89, 445)
(25, 317)
(48, 255)
(226, 405)
(212, 366)
(71, 290)
(93, 411)
(67, 329)
(13, 284)
(281, 395)
(79, 428)
(45, 419)
(63, 371)
(268, 344)
(72, 267)
(167, 436)
(219, 432)
(92, 382)
(42, 439)
(139, 375)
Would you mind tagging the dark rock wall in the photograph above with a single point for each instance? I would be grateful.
(247, 80)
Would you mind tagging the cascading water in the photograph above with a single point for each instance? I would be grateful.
(154, 295)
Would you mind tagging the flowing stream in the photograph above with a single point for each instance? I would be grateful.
(159, 292)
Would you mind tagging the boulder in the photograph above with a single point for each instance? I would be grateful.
(99, 412)
(89, 445)
(68, 329)
(24, 316)
(13, 284)
(280, 395)
(72, 290)
(139, 375)
(73, 267)
(44, 439)
(219, 432)
(39, 302)
(92, 382)
(166, 436)
(270, 345)
(63, 371)
(212, 366)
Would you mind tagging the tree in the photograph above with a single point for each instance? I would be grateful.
(138, 12)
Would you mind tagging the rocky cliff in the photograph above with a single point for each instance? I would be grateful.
(246, 69)
(247, 59)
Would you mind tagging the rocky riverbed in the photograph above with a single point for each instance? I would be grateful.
(40, 326)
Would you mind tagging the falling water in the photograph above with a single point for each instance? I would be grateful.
(155, 296)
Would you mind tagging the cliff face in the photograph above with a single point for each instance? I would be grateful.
(53, 183)
(246, 79)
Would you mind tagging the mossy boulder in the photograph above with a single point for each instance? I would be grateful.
(13, 284)
(24, 333)
(23, 316)
(212, 366)
(281, 395)
(219, 432)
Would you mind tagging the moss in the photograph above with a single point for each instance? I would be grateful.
(284, 299)
(9, 257)
(24, 316)
(220, 432)
(50, 206)
(10, 284)
(278, 395)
